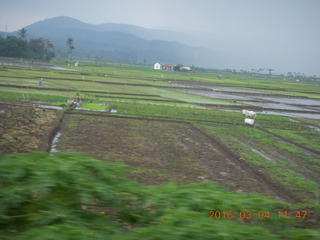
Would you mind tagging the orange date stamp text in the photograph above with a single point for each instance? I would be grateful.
(256, 214)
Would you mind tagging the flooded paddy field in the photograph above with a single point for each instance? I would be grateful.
(268, 103)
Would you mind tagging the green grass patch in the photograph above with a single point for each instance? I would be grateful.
(26, 95)
(94, 106)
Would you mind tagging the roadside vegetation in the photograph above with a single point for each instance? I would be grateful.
(54, 199)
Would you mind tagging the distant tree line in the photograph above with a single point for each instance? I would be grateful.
(19, 47)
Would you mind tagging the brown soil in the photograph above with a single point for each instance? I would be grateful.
(25, 128)
(160, 150)
(165, 151)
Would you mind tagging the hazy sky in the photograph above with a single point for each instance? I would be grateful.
(287, 31)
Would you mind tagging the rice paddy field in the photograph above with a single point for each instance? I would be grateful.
(180, 127)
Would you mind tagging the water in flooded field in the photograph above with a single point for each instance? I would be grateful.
(308, 107)
(54, 143)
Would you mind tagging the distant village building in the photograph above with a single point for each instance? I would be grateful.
(157, 66)
(166, 67)
(186, 69)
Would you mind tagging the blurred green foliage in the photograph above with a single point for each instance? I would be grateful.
(72, 196)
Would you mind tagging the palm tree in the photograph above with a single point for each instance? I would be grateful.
(70, 47)
(22, 33)
(270, 70)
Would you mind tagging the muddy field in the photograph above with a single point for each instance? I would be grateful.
(25, 128)
(160, 150)
(163, 151)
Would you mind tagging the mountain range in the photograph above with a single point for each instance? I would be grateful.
(134, 44)
(122, 42)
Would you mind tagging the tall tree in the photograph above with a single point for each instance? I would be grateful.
(15, 47)
(22, 33)
(270, 71)
(49, 53)
(70, 47)
(40, 48)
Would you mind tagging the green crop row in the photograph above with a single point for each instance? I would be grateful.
(288, 171)
(306, 138)
(18, 96)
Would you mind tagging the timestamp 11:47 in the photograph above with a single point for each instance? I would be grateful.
(254, 215)
(297, 214)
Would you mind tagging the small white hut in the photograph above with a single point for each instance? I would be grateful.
(157, 66)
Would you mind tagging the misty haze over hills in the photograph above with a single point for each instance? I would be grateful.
(118, 42)
(123, 42)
